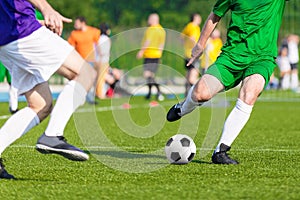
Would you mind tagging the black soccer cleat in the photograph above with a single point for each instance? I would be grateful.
(3, 173)
(148, 96)
(59, 145)
(222, 157)
(13, 111)
(174, 113)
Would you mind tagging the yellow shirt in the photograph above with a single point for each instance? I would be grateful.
(212, 51)
(190, 34)
(155, 36)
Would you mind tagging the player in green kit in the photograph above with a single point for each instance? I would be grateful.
(248, 56)
(13, 96)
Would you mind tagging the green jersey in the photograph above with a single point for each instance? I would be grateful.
(4, 73)
(39, 15)
(254, 26)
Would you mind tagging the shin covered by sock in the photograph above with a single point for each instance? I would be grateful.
(189, 104)
(17, 125)
(72, 96)
(234, 123)
(13, 99)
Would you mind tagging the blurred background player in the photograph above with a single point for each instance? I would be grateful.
(212, 50)
(190, 36)
(85, 39)
(103, 54)
(152, 47)
(283, 63)
(107, 77)
(293, 55)
(13, 96)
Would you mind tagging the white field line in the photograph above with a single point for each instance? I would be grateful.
(230, 99)
(143, 148)
(112, 108)
(5, 116)
(109, 108)
(106, 108)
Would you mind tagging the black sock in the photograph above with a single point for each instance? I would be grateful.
(157, 87)
(113, 85)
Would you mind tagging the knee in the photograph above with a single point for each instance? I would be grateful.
(43, 110)
(201, 94)
(248, 97)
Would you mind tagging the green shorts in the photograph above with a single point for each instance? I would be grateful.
(4, 73)
(231, 71)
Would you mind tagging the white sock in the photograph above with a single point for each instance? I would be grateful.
(13, 98)
(17, 125)
(72, 96)
(189, 104)
(294, 81)
(285, 83)
(234, 123)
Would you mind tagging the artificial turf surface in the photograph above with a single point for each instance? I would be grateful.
(127, 160)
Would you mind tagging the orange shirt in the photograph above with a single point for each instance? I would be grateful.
(85, 41)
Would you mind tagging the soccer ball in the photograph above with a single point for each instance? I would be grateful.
(180, 149)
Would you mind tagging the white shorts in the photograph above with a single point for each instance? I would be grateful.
(34, 59)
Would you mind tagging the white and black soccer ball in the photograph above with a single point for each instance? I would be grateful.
(180, 149)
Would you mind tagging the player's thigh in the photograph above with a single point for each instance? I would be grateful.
(264, 67)
(226, 74)
(150, 67)
(76, 68)
(256, 78)
(207, 87)
(251, 88)
(66, 72)
(74, 62)
(148, 74)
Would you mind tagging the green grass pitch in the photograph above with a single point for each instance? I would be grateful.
(267, 149)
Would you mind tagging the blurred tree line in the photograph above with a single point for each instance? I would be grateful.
(123, 15)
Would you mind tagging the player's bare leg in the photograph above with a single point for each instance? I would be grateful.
(192, 78)
(149, 76)
(39, 106)
(252, 86)
(206, 88)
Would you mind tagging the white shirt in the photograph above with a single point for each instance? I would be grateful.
(283, 63)
(104, 45)
(293, 52)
